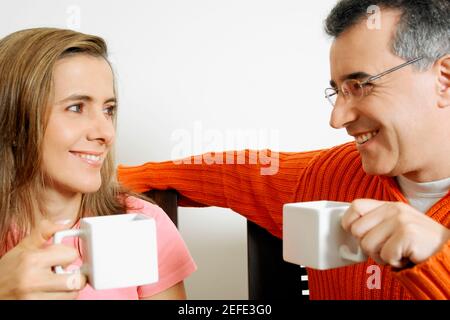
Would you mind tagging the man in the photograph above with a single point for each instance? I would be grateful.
(391, 92)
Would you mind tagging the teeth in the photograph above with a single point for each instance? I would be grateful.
(365, 137)
(90, 157)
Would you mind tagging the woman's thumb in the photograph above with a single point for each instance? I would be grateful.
(43, 232)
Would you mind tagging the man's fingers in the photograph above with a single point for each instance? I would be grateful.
(370, 220)
(42, 233)
(392, 251)
(357, 209)
(374, 240)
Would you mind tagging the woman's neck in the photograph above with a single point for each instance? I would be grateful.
(60, 206)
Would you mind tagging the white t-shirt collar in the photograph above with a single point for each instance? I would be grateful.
(423, 195)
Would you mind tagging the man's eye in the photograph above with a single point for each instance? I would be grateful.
(75, 108)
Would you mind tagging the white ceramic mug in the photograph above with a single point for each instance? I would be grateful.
(118, 250)
(313, 235)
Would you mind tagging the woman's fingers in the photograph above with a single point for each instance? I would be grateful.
(57, 255)
(41, 234)
(71, 295)
(65, 282)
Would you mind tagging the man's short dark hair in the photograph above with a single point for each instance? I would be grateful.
(423, 30)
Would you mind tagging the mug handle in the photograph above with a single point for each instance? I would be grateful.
(57, 239)
(347, 254)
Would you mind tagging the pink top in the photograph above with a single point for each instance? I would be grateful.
(174, 260)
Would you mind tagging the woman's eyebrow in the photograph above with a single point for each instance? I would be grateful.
(86, 98)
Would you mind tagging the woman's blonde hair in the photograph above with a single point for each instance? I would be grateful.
(27, 60)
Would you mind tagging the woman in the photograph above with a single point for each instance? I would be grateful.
(57, 128)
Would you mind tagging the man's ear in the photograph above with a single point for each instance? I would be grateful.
(443, 82)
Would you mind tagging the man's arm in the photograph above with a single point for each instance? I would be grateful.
(397, 234)
(252, 185)
(430, 279)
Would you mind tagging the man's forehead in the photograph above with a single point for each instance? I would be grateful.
(364, 49)
(353, 56)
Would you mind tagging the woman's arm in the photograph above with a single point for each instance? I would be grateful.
(177, 292)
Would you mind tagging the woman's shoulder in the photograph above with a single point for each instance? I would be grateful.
(137, 205)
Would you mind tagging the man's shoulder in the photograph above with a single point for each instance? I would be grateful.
(341, 153)
(337, 174)
(342, 162)
(348, 147)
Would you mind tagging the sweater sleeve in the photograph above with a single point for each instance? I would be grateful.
(429, 279)
(252, 185)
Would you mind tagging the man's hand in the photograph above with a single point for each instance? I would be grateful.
(394, 232)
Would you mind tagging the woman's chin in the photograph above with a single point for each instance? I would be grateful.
(91, 189)
(87, 186)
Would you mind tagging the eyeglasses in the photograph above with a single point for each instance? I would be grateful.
(353, 89)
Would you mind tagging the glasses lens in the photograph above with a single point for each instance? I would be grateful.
(331, 95)
(352, 88)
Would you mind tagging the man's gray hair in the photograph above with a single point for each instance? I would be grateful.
(423, 30)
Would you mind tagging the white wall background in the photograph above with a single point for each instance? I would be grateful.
(211, 64)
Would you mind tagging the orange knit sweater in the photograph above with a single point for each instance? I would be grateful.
(333, 174)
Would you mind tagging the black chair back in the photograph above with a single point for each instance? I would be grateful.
(269, 276)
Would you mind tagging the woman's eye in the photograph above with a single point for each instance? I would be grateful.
(75, 108)
(110, 111)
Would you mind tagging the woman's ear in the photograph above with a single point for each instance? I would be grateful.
(444, 81)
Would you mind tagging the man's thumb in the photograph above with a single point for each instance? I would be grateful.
(357, 209)
(363, 206)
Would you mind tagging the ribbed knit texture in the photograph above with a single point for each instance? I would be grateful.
(335, 174)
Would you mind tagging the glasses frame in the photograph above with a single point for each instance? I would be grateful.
(369, 80)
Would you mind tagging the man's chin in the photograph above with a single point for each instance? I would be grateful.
(375, 169)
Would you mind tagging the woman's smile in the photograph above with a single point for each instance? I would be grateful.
(93, 159)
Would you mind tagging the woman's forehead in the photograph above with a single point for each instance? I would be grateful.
(83, 74)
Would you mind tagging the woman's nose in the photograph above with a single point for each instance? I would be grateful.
(101, 128)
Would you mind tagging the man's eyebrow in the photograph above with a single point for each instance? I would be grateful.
(354, 75)
(86, 98)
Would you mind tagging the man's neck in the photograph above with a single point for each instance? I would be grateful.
(435, 173)
(437, 167)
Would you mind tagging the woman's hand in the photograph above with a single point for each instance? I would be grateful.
(394, 232)
(26, 270)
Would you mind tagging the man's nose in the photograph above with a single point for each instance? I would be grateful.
(101, 128)
(344, 113)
